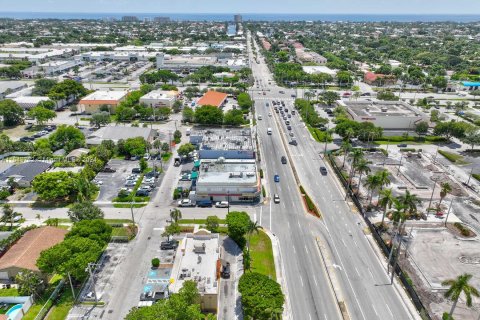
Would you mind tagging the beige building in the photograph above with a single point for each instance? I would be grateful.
(95, 100)
(197, 259)
(25, 252)
(159, 98)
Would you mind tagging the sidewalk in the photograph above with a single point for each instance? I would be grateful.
(280, 272)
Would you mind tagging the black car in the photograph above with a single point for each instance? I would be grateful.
(169, 245)
(25, 139)
(142, 193)
(108, 169)
(289, 127)
(226, 271)
(284, 160)
(402, 145)
(323, 171)
(136, 170)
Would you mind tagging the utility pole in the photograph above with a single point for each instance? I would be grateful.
(448, 212)
(469, 176)
(89, 269)
(399, 164)
(228, 200)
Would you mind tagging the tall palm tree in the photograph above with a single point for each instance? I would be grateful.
(175, 215)
(346, 148)
(372, 184)
(457, 286)
(8, 215)
(383, 178)
(445, 188)
(386, 201)
(356, 155)
(410, 202)
(362, 167)
(253, 227)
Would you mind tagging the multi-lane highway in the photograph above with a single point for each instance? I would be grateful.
(362, 280)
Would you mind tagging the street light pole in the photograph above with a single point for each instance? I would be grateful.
(449, 208)
(435, 158)
(431, 197)
(469, 176)
(89, 269)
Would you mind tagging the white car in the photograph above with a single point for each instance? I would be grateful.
(222, 204)
(186, 203)
(269, 114)
(98, 182)
(259, 117)
(276, 198)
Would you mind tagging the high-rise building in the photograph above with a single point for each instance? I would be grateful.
(237, 18)
(162, 19)
(129, 19)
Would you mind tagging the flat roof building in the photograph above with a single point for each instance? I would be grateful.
(213, 98)
(234, 180)
(390, 115)
(232, 143)
(28, 102)
(116, 133)
(92, 102)
(319, 69)
(197, 259)
(159, 98)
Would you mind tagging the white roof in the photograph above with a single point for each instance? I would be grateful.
(105, 95)
(319, 69)
(30, 100)
(158, 95)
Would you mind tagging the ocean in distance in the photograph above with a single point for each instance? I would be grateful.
(249, 16)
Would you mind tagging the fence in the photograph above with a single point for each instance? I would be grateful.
(401, 275)
(46, 307)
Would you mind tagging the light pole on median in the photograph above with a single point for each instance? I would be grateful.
(431, 197)
(448, 212)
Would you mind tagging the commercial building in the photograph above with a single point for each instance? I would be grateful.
(161, 19)
(129, 19)
(28, 102)
(116, 133)
(213, 98)
(92, 102)
(52, 67)
(159, 98)
(309, 56)
(379, 79)
(233, 143)
(237, 18)
(119, 55)
(197, 259)
(24, 253)
(9, 87)
(234, 180)
(319, 69)
(390, 115)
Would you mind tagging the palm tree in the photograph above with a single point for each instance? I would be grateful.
(445, 188)
(386, 201)
(410, 202)
(372, 184)
(383, 178)
(457, 286)
(346, 148)
(253, 227)
(356, 155)
(8, 215)
(362, 167)
(175, 215)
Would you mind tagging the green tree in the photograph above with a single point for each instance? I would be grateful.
(330, 97)
(177, 136)
(100, 118)
(11, 112)
(421, 128)
(97, 230)
(29, 283)
(409, 202)
(41, 114)
(188, 114)
(84, 211)
(67, 137)
(155, 262)
(445, 188)
(244, 101)
(344, 78)
(238, 223)
(362, 166)
(383, 178)
(209, 115)
(233, 117)
(171, 229)
(8, 215)
(54, 185)
(212, 223)
(386, 201)
(439, 82)
(135, 146)
(346, 148)
(47, 104)
(175, 215)
(260, 295)
(43, 86)
(387, 95)
(185, 149)
(457, 286)
(372, 184)
(472, 137)
(253, 227)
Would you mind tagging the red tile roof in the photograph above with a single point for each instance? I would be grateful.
(212, 98)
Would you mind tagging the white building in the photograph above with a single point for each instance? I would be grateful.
(222, 179)
(389, 115)
(29, 102)
(197, 259)
(159, 98)
(319, 69)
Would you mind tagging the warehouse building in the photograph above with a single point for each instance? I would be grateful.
(234, 180)
(389, 115)
(233, 143)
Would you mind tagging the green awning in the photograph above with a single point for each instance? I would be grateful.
(194, 175)
(196, 163)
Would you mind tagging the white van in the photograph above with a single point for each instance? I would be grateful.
(269, 131)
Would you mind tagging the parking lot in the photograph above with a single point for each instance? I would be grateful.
(112, 182)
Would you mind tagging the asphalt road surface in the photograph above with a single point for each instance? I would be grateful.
(362, 279)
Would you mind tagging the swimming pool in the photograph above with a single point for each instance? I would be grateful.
(13, 311)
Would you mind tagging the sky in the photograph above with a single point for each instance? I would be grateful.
(247, 6)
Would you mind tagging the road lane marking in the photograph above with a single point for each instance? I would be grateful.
(261, 211)
(294, 250)
(301, 280)
(371, 274)
(306, 249)
(343, 241)
(375, 310)
(315, 280)
(298, 222)
(356, 270)
(310, 316)
(390, 311)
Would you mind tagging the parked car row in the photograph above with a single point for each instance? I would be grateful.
(39, 134)
(146, 186)
(202, 203)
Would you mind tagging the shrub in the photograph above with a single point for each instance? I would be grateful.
(176, 194)
(463, 230)
(264, 193)
(261, 173)
(155, 262)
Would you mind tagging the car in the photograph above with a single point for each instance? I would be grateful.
(286, 109)
(222, 204)
(259, 117)
(130, 183)
(204, 203)
(97, 182)
(269, 114)
(276, 198)
(281, 91)
(323, 171)
(289, 127)
(146, 156)
(283, 159)
(402, 145)
(226, 271)
(267, 104)
(276, 178)
(291, 134)
(289, 116)
(293, 142)
(293, 111)
(108, 169)
(24, 139)
(264, 93)
(136, 170)
(186, 203)
(293, 96)
(169, 245)
(142, 193)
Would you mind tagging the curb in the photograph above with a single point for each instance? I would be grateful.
(280, 272)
